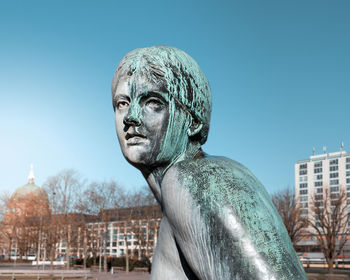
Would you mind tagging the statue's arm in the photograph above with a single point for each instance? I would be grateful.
(219, 242)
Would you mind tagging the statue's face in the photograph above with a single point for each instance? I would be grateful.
(141, 118)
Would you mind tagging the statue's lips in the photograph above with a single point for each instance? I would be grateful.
(135, 140)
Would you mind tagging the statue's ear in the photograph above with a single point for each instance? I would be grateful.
(195, 128)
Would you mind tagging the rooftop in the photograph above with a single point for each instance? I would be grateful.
(324, 156)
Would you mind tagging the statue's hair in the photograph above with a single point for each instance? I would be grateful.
(179, 72)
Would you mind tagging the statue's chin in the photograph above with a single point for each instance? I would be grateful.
(147, 163)
(135, 159)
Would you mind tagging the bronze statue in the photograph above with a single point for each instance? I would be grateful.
(218, 221)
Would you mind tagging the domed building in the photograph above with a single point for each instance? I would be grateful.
(26, 213)
(29, 200)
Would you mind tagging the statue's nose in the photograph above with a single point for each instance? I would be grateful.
(132, 118)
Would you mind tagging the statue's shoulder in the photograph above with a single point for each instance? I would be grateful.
(217, 182)
(214, 173)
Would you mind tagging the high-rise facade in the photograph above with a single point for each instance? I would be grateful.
(320, 172)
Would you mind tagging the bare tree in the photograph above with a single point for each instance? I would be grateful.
(63, 191)
(99, 199)
(329, 223)
(52, 234)
(4, 199)
(143, 220)
(6, 226)
(290, 212)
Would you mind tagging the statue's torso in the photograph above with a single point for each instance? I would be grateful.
(213, 227)
(166, 262)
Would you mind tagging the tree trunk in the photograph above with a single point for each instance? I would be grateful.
(9, 249)
(85, 250)
(68, 250)
(104, 248)
(126, 255)
(52, 256)
(330, 265)
(94, 256)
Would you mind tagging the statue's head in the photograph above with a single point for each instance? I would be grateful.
(162, 100)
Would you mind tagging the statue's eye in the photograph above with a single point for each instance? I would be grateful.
(122, 104)
(154, 104)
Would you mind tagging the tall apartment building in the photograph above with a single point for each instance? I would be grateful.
(320, 172)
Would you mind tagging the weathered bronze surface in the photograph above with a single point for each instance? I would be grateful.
(218, 220)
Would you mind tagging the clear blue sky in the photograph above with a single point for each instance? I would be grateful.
(279, 72)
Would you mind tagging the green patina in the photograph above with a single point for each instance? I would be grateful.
(185, 84)
(219, 187)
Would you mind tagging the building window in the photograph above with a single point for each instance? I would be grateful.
(318, 177)
(333, 162)
(333, 168)
(303, 179)
(318, 170)
(303, 172)
(318, 164)
(319, 197)
(348, 166)
(121, 243)
(334, 182)
(348, 180)
(303, 185)
(320, 190)
(334, 196)
(318, 184)
(303, 198)
(333, 175)
(303, 166)
(347, 173)
(319, 204)
(348, 159)
(348, 187)
(303, 211)
(348, 194)
(335, 189)
(303, 192)
(304, 205)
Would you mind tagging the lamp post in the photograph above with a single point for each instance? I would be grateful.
(39, 241)
(14, 263)
(99, 261)
(53, 208)
(103, 242)
(44, 253)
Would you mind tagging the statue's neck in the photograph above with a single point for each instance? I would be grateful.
(155, 176)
